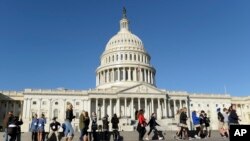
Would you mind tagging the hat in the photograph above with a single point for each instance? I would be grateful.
(218, 110)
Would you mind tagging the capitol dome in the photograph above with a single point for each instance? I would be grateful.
(125, 61)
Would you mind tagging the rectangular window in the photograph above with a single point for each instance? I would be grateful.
(116, 75)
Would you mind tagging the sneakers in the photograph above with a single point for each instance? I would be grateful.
(146, 138)
(197, 137)
(160, 138)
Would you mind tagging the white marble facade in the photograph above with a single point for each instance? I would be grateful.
(125, 82)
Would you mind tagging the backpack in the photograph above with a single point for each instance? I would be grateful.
(220, 117)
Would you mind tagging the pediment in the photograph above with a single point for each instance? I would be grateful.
(142, 88)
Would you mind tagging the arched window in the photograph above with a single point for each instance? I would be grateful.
(55, 113)
(116, 57)
(126, 56)
(113, 58)
(130, 56)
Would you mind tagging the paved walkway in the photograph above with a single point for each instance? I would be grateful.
(133, 136)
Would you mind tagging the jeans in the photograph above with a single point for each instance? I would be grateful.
(142, 132)
(69, 131)
(5, 135)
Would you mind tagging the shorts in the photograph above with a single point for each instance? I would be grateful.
(225, 126)
(39, 130)
(220, 125)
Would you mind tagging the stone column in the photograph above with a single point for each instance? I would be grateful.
(107, 76)
(152, 101)
(104, 107)
(152, 79)
(39, 110)
(89, 105)
(165, 107)
(186, 103)
(124, 74)
(139, 103)
(159, 113)
(118, 107)
(50, 109)
(181, 104)
(146, 110)
(149, 81)
(174, 107)
(135, 74)
(129, 74)
(96, 107)
(24, 108)
(29, 109)
(125, 107)
(169, 109)
(64, 108)
(141, 74)
(111, 108)
(118, 69)
(113, 74)
(132, 108)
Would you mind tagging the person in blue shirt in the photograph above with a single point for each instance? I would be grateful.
(196, 122)
(33, 128)
(40, 127)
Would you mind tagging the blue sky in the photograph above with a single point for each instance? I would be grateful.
(197, 46)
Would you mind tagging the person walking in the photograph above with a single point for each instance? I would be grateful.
(196, 123)
(19, 122)
(105, 124)
(226, 124)
(141, 124)
(40, 128)
(220, 122)
(177, 119)
(12, 128)
(94, 126)
(54, 127)
(183, 124)
(207, 126)
(69, 131)
(6, 120)
(152, 124)
(233, 117)
(85, 126)
(115, 122)
(33, 128)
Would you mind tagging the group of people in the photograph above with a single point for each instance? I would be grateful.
(12, 127)
(200, 120)
(226, 118)
(38, 127)
(142, 123)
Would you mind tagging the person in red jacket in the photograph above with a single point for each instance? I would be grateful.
(141, 124)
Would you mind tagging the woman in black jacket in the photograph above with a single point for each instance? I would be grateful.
(152, 124)
(115, 122)
(183, 123)
(69, 131)
(233, 117)
(105, 127)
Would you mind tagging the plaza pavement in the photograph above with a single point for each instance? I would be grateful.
(133, 136)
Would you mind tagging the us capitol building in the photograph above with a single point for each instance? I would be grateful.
(125, 82)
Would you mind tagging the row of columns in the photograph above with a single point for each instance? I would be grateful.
(125, 74)
(126, 57)
(129, 106)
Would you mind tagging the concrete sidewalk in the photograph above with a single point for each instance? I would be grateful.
(131, 136)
